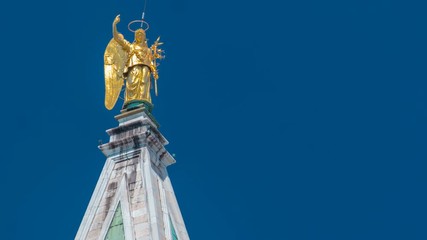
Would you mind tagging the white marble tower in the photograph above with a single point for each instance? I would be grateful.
(134, 198)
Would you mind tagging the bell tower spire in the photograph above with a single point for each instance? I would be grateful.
(134, 198)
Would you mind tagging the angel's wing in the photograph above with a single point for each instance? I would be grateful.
(114, 64)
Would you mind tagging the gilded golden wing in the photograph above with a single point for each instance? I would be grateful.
(114, 64)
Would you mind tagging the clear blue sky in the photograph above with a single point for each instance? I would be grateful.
(289, 119)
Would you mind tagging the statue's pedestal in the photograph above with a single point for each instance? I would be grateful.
(126, 116)
(134, 198)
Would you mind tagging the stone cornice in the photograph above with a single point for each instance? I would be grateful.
(126, 139)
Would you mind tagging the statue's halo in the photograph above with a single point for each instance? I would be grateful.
(144, 25)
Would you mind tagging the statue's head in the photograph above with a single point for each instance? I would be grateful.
(140, 36)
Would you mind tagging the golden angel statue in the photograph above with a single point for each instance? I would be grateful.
(136, 63)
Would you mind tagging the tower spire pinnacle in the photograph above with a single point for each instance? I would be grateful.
(133, 198)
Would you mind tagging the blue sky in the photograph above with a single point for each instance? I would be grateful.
(289, 119)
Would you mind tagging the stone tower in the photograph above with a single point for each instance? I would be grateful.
(134, 198)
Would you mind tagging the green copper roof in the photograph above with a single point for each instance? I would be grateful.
(174, 236)
(116, 230)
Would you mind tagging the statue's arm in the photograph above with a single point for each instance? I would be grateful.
(118, 36)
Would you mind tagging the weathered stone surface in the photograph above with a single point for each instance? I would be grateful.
(135, 178)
